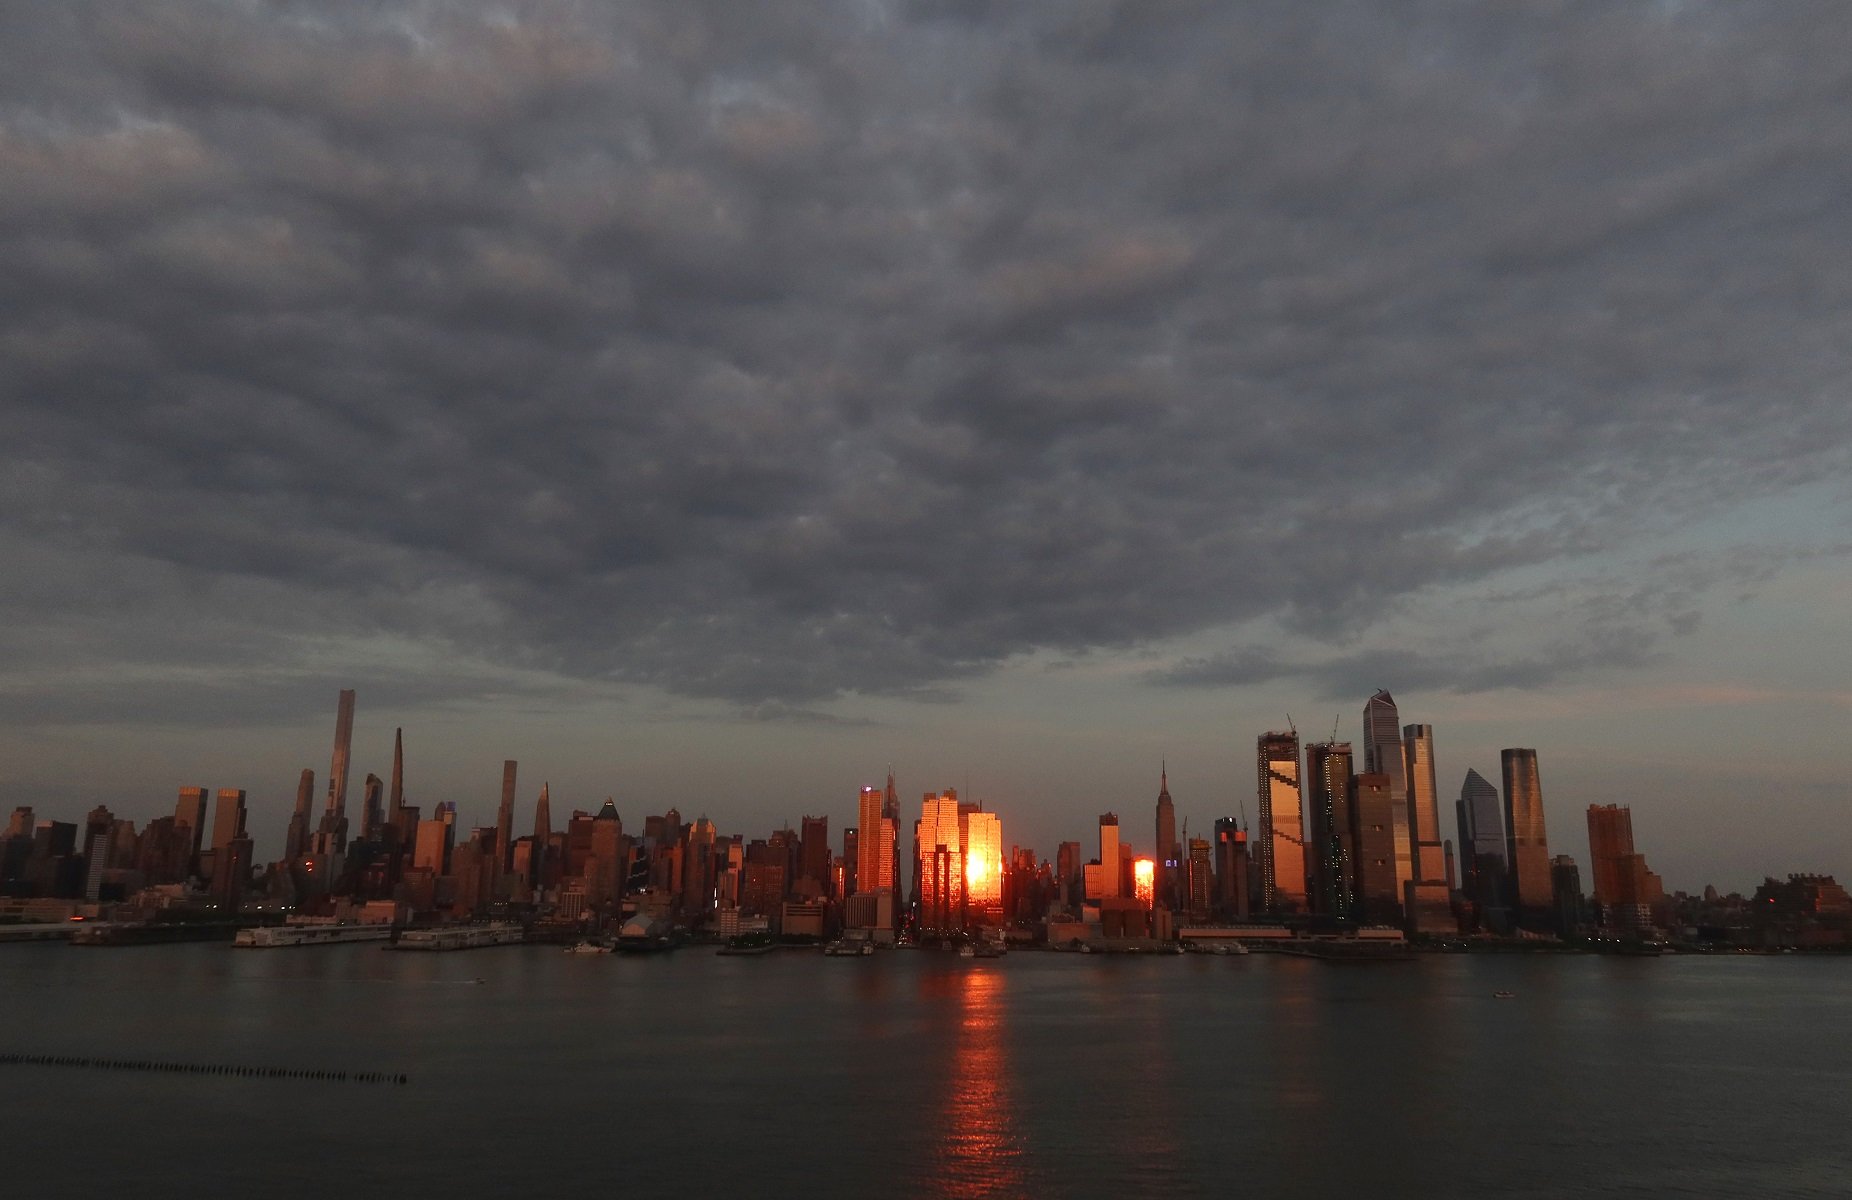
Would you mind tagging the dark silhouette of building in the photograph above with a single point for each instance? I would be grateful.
(1333, 854)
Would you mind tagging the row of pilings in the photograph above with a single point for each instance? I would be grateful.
(179, 1068)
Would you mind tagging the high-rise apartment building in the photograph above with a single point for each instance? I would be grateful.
(1332, 852)
(343, 749)
(504, 820)
(1384, 754)
(1527, 850)
(1282, 837)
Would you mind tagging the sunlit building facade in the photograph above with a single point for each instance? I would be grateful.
(1527, 848)
(983, 849)
(1282, 836)
(942, 864)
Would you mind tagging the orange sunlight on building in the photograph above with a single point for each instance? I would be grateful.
(1144, 877)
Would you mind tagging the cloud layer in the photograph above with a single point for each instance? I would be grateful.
(768, 354)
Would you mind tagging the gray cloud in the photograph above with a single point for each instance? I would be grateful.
(768, 354)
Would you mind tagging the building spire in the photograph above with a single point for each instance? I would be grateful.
(398, 774)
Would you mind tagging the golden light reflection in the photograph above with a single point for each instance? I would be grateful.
(984, 1155)
(1144, 880)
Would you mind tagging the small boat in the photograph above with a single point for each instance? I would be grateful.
(588, 948)
(1502, 994)
(749, 943)
(844, 948)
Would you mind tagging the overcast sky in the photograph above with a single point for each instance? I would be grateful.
(710, 405)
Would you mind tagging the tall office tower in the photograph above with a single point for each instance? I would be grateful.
(372, 809)
(605, 869)
(1423, 803)
(1105, 886)
(1527, 850)
(890, 823)
(99, 839)
(1383, 754)
(1427, 900)
(814, 853)
(1482, 828)
(1333, 855)
(942, 864)
(396, 802)
(1231, 867)
(1610, 840)
(337, 772)
(1372, 823)
(983, 834)
(868, 849)
(504, 821)
(191, 812)
(850, 864)
(698, 869)
(1282, 836)
(537, 864)
(228, 818)
(296, 841)
(1169, 854)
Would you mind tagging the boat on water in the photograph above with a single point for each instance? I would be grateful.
(1502, 994)
(266, 937)
(844, 948)
(980, 949)
(749, 943)
(588, 948)
(460, 937)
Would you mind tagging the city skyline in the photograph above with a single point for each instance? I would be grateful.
(1313, 797)
(715, 403)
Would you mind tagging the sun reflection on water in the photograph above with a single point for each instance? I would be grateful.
(981, 1146)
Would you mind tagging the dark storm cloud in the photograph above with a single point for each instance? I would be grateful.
(764, 352)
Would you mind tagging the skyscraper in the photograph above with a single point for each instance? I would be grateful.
(191, 812)
(1482, 829)
(983, 842)
(1168, 853)
(228, 819)
(1231, 867)
(337, 772)
(1383, 754)
(331, 833)
(296, 841)
(1373, 835)
(537, 864)
(396, 802)
(1333, 854)
(1610, 839)
(504, 821)
(1427, 900)
(1527, 851)
(942, 864)
(1105, 885)
(1282, 835)
(814, 853)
